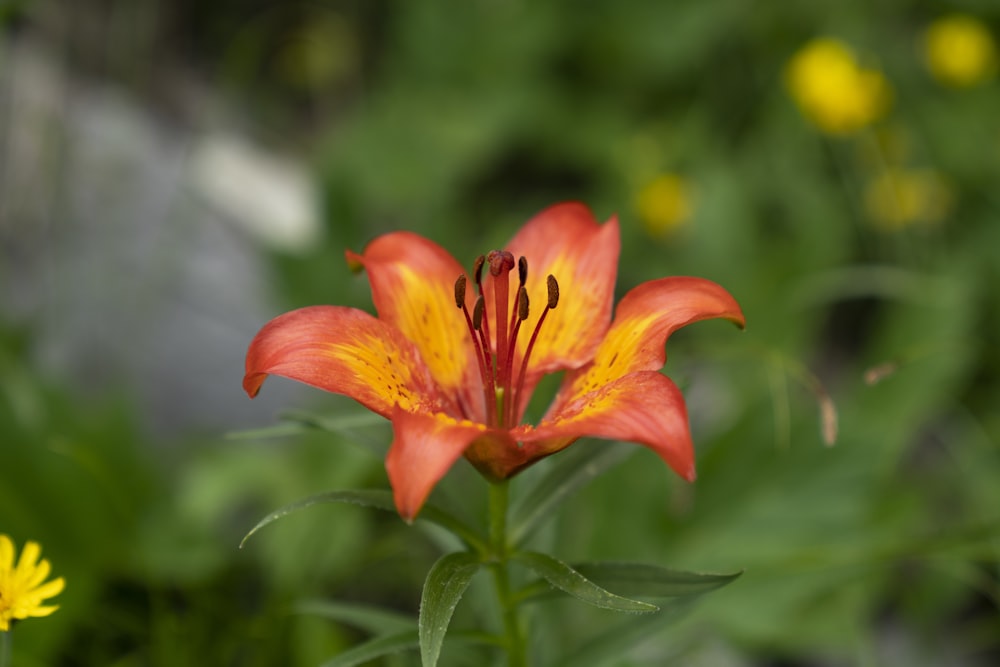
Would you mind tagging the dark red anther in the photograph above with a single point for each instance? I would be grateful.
(553, 300)
(522, 305)
(477, 271)
(477, 313)
(460, 291)
(553, 291)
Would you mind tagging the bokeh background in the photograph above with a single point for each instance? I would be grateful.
(175, 173)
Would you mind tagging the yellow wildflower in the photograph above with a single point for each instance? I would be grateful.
(21, 589)
(960, 50)
(664, 204)
(833, 91)
(898, 198)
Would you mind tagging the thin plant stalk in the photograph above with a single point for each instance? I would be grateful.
(5, 642)
(499, 551)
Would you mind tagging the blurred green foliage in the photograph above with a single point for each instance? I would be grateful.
(459, 120)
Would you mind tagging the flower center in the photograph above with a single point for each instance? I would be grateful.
(502, 390)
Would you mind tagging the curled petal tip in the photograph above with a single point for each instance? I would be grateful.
(354, 262)
(252, 383)
(738, 319)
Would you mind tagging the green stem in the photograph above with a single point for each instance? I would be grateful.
(499, 548)
(5, 643)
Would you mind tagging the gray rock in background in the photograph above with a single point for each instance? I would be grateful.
(131, 250)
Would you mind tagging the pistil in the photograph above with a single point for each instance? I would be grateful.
(501, 262)
(502, 397)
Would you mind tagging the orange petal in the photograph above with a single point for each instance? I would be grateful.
(644, 319)
(413, 288)
(424, 448)
(344, 351)
(567, 242)
(645, 407)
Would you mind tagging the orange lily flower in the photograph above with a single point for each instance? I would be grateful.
(454, 371)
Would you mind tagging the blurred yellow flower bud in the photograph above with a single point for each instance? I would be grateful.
(839, 96)
(664, 204)
(960, 50)
(899, 198)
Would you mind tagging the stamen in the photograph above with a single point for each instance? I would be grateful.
(553, 287)
(479, 320)
(474, 324)
(482, 355)
(460, 291)
(522, 277)
(522, 305)
(477, 271)
(477, 313)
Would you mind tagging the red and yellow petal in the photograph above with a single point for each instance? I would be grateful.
(413, 288)
(344, 351)
(644, 407)
(567, 242)
(644, 319)
(424, 448)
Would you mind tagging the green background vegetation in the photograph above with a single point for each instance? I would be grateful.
(459, 120)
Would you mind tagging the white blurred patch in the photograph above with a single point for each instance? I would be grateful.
(273, 199)
(127, 278)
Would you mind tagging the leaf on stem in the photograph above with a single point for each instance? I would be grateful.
(445, 584)
(297, 422)
(572, 582)
(378, 499)
(375, 647)
(363, 617)
(382, 645)
(641, 580)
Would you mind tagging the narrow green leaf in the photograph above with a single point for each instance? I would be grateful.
(370, 619)
(378, 499)
(641, 580)
(566, 579)
(446, 583)
(574, 469)
(653, 580)
(376, 647)
(396, 642)
(298, 422)
(355, 424)
(280, 430)
(609, 647)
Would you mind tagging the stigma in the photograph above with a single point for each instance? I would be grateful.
(495, 341)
